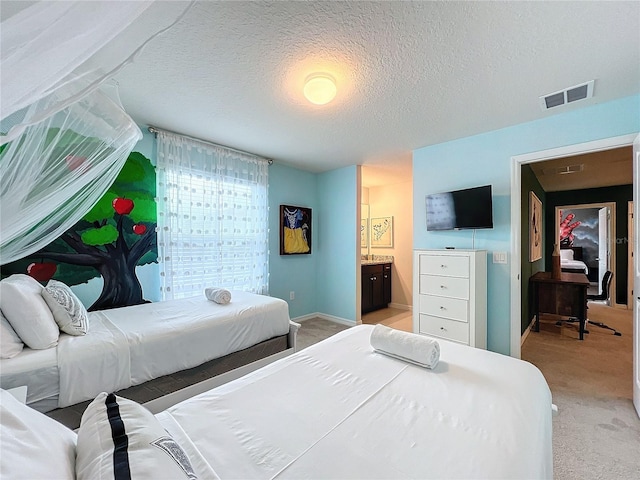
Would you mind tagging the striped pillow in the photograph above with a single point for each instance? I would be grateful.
(120, 439)
(68, 311)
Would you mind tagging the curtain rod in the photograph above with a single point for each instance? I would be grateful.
(156, 130)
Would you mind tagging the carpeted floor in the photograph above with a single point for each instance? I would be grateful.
(597, 430)
(596, 434)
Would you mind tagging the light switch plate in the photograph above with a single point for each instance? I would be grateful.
(499, 257)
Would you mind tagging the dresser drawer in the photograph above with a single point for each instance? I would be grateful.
(454, 287)
(453, 308)
(444, 328)
(447, 265)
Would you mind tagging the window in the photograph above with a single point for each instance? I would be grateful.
(212, 218)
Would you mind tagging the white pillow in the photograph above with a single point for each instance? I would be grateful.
(120, 435)
(566, 254)
(33, 445)
(10, 343)
(22, 304)
(68, 311)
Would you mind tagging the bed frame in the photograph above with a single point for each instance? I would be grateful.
(160, 391)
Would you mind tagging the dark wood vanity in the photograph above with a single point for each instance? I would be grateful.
(376, 286)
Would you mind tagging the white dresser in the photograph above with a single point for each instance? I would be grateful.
(450, 295)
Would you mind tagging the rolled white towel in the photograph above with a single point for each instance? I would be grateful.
(218, 295)
(410, 347)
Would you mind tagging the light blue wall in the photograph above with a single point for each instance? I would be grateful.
(486, 159)
(293, 273)
(337, 232)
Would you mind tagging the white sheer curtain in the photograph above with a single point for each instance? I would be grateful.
(212, 218)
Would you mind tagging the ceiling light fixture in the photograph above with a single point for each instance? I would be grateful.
(320, 88)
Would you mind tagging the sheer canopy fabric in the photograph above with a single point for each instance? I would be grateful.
(62, 51)
(63, 141)
(57, 170)
(212, 218)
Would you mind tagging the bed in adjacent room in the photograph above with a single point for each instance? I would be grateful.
(571, 260)
(338, 409)
(132, 345)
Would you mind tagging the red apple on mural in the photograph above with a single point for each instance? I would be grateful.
(139, 228)
(74, 162)
(43, 272)
(123, 206)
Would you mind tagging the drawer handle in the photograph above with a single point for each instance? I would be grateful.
(443, 329)
(442, 286)
(442, 308)
(443, 266)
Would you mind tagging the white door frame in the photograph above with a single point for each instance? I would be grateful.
(630, 255)
(516, 182)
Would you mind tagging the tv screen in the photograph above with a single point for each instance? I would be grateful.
(460, 209)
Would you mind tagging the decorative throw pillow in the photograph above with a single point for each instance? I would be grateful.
(68, 311)
(119, 438)
(23, 305)
(33, 445)
(10, 343)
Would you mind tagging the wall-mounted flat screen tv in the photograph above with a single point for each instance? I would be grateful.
(460, 209)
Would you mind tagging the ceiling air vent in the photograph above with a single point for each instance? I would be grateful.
(568, 95)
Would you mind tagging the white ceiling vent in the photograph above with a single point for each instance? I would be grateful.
(563, 170)
(568, 95)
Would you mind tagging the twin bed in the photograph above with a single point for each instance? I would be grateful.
(337, 409)
(133, 345)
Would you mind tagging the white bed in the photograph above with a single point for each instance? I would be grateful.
(340, 410)
(337, 409)
(131, 345)
(569, 262)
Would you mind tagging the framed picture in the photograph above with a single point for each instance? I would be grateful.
(364, 232)
(295, 230)
(382, 232)
(535, 227)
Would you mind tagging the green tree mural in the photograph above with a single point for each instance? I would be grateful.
(110, 241)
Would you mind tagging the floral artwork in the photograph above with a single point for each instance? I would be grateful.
(364, 233)
(382, 232)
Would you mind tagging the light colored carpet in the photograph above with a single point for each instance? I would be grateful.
(596, 434)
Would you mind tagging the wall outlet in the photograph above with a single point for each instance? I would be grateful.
(499, 257)
(292, 295)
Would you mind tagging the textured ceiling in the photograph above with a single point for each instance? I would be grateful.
(409, 74)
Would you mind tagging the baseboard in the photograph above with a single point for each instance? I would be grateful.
(304, 318)
(325, 316)
(527, 331)
(401, 306)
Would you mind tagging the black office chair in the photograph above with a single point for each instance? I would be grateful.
(603, 296)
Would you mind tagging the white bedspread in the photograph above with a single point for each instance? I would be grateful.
(166, 337)
(131, 345)
(38, 371)
(575, 265)
(93, 363)
(340, 410)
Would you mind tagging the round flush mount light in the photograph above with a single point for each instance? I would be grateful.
(320, 88)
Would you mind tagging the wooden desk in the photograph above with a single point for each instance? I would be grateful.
(565, 296)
